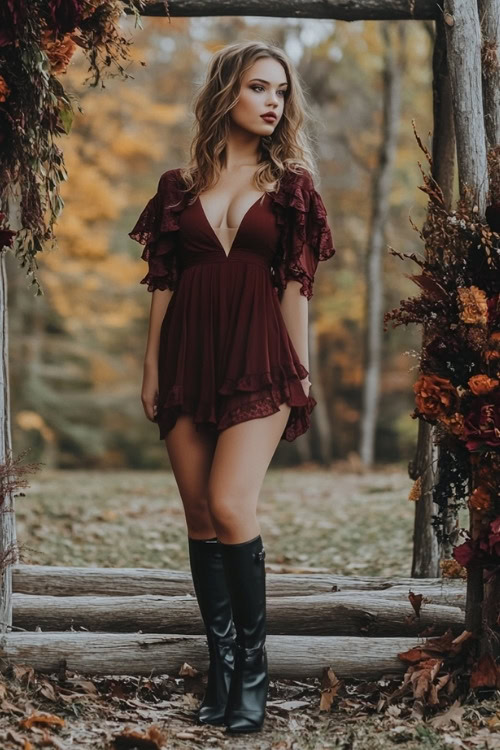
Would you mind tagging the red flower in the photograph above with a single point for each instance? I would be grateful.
(13, 15)
(464, 553)
(64, 15)
(493, 216)
(494, 309)
(485, 549)
(6, 235)
(494, 537)
(482, 423)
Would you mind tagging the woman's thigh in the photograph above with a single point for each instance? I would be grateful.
(242, 456)
(191, 453)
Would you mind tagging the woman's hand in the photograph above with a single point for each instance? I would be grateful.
(149, 395)
(306, 384)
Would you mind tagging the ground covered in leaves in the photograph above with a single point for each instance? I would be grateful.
(335, 520)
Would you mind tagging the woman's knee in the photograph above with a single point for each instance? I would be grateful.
(198, 518)
(229, 513)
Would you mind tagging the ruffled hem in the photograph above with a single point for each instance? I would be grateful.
(306, 237)
(262, 404)
(259, 381)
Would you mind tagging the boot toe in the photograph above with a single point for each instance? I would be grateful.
(211, 715)
(245, 722)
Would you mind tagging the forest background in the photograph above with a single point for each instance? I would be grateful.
(76, 353)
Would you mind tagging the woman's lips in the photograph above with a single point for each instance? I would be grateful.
(268, 118)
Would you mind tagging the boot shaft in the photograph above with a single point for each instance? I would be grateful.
(244, 566)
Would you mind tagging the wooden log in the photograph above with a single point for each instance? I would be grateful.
(79, 581)
(463, 39)
(489, 15)
(345, 10)
(290, 657)
(344, 613)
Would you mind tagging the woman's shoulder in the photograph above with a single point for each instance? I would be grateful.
(299, 178)
(171, 178)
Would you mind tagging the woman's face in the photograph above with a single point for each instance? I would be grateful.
(263, 90)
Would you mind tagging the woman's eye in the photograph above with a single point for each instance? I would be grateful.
(280, 91)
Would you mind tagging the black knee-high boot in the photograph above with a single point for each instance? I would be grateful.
(210, 585)
(246, 578)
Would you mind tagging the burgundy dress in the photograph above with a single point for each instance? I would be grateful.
(225, 355)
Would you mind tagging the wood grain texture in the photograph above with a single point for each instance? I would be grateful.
(289, 657)
(342, 613)
(345, 10)
(56, 580)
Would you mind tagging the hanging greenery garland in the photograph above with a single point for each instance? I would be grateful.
(37, 41)
(458, 390)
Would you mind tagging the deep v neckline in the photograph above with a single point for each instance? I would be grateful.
(214, 233)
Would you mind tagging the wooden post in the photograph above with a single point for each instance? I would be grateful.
(426, 551)
(464, 59)
(8, 546)
(489, 14)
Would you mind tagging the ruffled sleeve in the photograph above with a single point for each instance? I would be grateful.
(305, 236)
(157, 229)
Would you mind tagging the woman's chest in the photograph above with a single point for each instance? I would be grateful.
(257, 232)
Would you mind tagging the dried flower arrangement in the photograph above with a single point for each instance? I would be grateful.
(37, 41)
(458, 390)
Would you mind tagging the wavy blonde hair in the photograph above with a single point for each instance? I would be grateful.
(288, 148)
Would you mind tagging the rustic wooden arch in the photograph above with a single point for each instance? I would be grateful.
(466, 107)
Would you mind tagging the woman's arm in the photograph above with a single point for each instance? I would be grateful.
(294, 308)
(159, 303)
(149, 396)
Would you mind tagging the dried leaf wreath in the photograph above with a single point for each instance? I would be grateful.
(458, 389)
(37, 41)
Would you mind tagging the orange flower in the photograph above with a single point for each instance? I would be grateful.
(480, 498)
(416, 490)
(59, 51)
(4, 90)
(435, 396)
(473, 305)
(494, 343)
(452, 569)
(454, 423)
(481, 384)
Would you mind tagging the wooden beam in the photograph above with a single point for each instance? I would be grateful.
(290, 657)
(489, 16)
(341, 613)
(72, 581)
(463, 37)
(342, 10)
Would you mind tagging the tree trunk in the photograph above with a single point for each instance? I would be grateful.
(489, 15)
(393, 70)
(323, 430)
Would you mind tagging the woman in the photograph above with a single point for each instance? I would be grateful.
(232, 244)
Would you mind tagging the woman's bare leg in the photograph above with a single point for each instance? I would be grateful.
(242, 456)
(191, 454)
